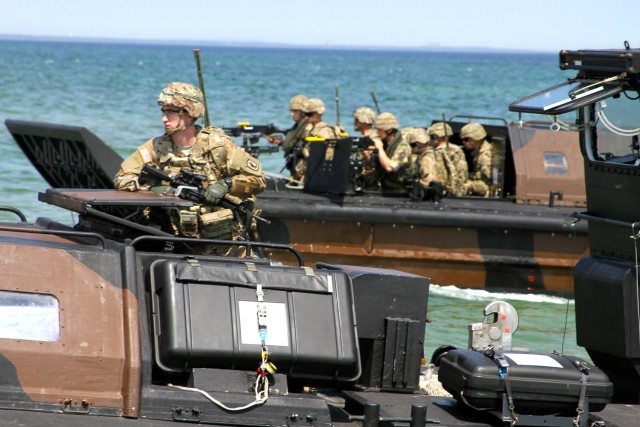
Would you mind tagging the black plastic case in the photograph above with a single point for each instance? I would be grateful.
(205, 316)
(541, 383)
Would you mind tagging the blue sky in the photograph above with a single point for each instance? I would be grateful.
(541, 25)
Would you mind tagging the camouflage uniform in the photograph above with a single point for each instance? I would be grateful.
(426, 167)
(425, 161)
(399, 151)
(369, 175)
(473, 137)
(215, 156)
(451, 167)
(481, 178)
(451, 164)
(364, 118)
(294, 139)
(320, 130)
(293, 143)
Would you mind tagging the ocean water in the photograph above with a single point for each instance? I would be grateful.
(111, 90)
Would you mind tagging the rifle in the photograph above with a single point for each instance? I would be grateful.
(251, 134)
(255, 130)
(188, 186)
(196, 53)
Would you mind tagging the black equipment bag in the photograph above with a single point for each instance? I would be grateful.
(540, 383)
(205, 315)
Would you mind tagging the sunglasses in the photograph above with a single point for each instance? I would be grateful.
(309, 114)
(170, 114)
(466, 139)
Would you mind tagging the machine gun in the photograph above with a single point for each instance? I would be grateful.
(247, 128)
(251, 134)
(188, 186)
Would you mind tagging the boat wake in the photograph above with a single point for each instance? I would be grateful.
(481, 295)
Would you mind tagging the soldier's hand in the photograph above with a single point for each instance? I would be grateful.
(274, 139)
(216, 191)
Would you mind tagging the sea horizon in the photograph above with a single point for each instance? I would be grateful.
(266, 45)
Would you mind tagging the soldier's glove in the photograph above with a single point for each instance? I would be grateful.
(217, 190)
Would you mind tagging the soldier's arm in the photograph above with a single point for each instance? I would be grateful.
(127, 177)
(245, 172)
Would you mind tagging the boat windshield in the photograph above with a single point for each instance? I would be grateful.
(568, 96)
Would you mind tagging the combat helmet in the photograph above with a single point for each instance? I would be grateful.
(365, 115)
(296, 102)
(418, 136)
(386, 121)
(184, 96)
(313, 105)
(440, 130)
(474, 131)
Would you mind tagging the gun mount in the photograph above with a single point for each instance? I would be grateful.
(251, 134)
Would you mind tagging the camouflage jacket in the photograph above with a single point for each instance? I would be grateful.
(451, 167)
(425, 167)
(399, 152)
(213, 155)
(321, 130)
(295, 136)
(481, 177)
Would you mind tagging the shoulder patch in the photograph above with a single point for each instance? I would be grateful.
(145, 155)
(253, 165)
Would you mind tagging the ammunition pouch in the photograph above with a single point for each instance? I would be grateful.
(188, 223)
(217, 225)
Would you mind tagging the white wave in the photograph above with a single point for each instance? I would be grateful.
(481, 295)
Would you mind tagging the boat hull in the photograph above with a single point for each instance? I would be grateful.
(464, 242)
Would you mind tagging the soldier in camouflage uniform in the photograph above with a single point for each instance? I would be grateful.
(451, 164)
(474, 140)
(313, 109)
(363, 119)
(294, 139)
(394, 155)
(424, 157)
(230, 172)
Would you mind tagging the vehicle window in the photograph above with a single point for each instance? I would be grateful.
(555, 163)
(29, 316)
(618, 126)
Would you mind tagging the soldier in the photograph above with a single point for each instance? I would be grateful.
(451, 164)
(394, 155)
(294, 139)
(229, 170)
(474, 140)
(363, 119)
(427, 184)
(313, 109)
(424, 157)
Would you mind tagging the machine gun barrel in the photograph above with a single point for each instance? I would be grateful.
(246, 127)
(189, 186)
